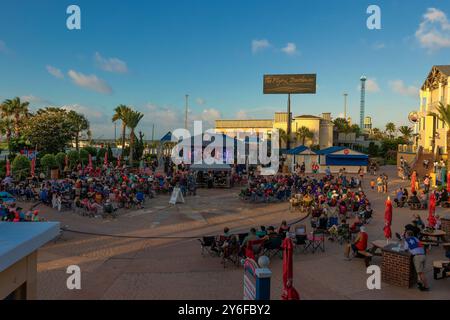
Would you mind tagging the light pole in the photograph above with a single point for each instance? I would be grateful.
(186, 112)
(345, 106)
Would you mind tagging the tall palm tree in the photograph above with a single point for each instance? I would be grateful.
(120, 113)
(390, 128)
(132, 119)
(283, 137)
(406, 132)
(80, 124)
(304, 133)
(6, 126)
(443, 113)
(17, 109)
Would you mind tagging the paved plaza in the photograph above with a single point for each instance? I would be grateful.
(167, 267)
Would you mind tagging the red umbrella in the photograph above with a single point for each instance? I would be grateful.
(105, 160)
(8, 168)
(388, 219)
(413, 182)
(33, 166)
(432, 209)
(448, 182)
(118, 161)
(289, 292)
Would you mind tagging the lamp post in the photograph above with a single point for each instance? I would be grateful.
(186, 112)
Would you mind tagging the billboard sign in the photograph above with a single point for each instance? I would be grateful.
(289, 83)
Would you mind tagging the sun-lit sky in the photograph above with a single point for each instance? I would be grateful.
(149, 54)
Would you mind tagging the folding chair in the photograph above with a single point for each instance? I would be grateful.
(301, 238)
(273, 247)
(207, 245)
(231, 252)
(254, 248)
(317, 241)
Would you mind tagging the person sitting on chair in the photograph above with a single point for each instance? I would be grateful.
(414, 199)
(359, 244)
(283, 228)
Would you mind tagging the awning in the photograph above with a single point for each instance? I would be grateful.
(347, 160)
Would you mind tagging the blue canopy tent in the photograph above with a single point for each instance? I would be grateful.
(337, 157)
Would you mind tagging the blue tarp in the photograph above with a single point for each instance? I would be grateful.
(347, 160)
(330, 150)
(167, 137)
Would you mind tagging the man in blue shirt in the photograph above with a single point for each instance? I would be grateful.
(415, 247)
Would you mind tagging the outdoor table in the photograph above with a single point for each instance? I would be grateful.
(379, 245)
(439, 235)
(397, 267)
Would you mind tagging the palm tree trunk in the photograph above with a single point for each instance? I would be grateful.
(16, 125)
(77, 141)
(131, 147)
(124, 128)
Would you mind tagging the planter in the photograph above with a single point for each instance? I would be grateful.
(54, 174)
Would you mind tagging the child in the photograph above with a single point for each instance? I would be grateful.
(372, 184)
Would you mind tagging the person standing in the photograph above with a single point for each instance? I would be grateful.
(415, 247)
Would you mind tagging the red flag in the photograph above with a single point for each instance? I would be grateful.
(388, 219)
(8, 168)
(105, 160)
(432, 209)
(33, 166)
(289, 292)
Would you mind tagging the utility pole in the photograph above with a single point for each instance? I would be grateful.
(115, 133)
(345, 106)
(153, 132)
(186, 112)
(288, 131)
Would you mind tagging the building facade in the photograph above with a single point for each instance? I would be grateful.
(431, 131)
(321, 127)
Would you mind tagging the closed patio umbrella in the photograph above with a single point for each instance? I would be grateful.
(8, 168)
(289, 292)
(448, 182)
(432, 209)
(388, 219)
(105, 160)
(90, 162)
(33, 166)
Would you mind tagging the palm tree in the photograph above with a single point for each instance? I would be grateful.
(406, 132)
(6, 128)
(342, 125)
(443, 114)
(283, 137)
(17, 109)
(304, 133)
(132, 119)
(390, 128)
(80, 124)
(120, 113)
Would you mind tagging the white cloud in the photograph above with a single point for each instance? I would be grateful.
(3, 47)
(90, 82)
(55, 72)
(371, 86)
(434, 30)
(290, 48)
(200, 101)
(91, 114)
(399, 87)
(110, 64)
(242, 115)
(35, 100)
(259, 45)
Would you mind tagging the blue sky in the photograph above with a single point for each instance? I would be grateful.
(149, 54)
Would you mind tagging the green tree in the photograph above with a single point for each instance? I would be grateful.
(303, 134)
(443, 113)
(48, 162)
(406, 132)
(283, 136)
(16, 109)
(74, 157)
(50, 130)
(61, 160)
(120, 113)
(390, 129)
(79, 124)
(132, 119)
(21, 166)
(373, 149)
(342, 125)
(84, 156)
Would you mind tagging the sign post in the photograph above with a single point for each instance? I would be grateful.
(289, 84)
(176, 196)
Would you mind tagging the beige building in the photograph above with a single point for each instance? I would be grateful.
(432, 132)
(321, 127)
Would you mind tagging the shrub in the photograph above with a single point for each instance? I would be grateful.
(48, 162)
(21, 166)
(61, 160)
